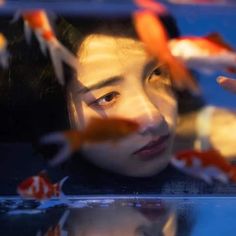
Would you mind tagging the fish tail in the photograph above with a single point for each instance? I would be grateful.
(58, 189)
(70, 141)
(60, 54)
(180, 75)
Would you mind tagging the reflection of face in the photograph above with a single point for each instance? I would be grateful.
(118, 221)
(122, 80)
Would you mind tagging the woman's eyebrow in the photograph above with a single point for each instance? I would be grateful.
(101, 84)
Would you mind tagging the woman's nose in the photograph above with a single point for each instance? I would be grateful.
(141, 109)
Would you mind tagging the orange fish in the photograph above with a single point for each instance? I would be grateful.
(37, 21)
(98, 130)
(58, 229)
(153, 34)
(4, 56)
(206, 165)
(39, 187)
(207, 54)
(227, 83)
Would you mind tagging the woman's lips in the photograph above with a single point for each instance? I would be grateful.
(153, 148)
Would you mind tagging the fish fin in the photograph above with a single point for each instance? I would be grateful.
(58, 190)
(181, 76)
(27, 32)
(39, 233)
(4, 59)
(57, 63)
(42, 44)
(222, 178)
(65, 151)
(64, 218)
(217, 38)
(44, 174)
(205, 177)
(67, 56)
(59, 54)
(16, 16)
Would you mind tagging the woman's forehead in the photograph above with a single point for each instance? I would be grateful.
(102, 57)
(103, 46)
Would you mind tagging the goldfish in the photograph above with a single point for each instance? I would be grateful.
(37, 21)
(207, 165)
(39, 187)
(207, 54)
(154, 36)
(4, 55)
(227, 83)
(58, 229)
(98, 130)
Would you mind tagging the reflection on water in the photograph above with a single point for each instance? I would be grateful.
(121, 216)
(102, 217)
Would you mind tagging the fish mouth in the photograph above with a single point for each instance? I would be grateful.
(153, 149)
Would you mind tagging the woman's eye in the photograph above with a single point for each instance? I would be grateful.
(159, 77)
(106, 101)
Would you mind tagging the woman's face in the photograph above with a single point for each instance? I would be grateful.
(122, 80)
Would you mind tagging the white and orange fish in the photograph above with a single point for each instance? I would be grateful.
(98, 130)
(57, 230)
(154, 36)
(4, 55)
(37, 21)
(207, 165)
(39, 187)
(227, 83)
(206, 54)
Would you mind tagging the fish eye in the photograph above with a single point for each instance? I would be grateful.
(105, 101)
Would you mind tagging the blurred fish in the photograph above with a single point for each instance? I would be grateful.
(206, 165)
(4, 55)
(39, 187)
(37, 21)
(227, 83)
(153, 34)
(98, 130)
(2, 2)
(207, 54)
(58, 229)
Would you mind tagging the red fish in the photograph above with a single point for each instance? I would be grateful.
(153, 34)
(39, 187)
(98, 130)
(208, 54)
(37, 21)
(206, 165)
(3, 51)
